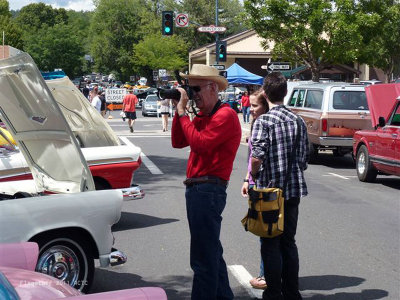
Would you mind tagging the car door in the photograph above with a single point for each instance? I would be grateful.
(394, 131)
(39, 128)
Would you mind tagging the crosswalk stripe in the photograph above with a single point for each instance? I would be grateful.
(243, 276)
(146, 161)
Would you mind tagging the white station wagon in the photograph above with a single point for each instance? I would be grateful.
(59, 209)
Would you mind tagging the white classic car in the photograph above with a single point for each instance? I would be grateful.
(59, 208)
(112, 165)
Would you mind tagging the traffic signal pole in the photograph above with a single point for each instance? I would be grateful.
(216, 34)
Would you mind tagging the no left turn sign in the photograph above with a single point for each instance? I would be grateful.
(182, 20)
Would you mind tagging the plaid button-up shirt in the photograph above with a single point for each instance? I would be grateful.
(274, 134)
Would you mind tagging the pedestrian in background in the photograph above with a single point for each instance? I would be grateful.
(95, 99)
(165, 105)
(258, 107)
(214, 137)
(103, 103)
(129, 108)
(246, 107)
(273, 138)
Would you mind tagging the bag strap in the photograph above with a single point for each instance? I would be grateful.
(292, 153)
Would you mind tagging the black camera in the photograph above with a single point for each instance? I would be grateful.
(174, 93)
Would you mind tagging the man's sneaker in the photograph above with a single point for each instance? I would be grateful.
(131, 129)
(258, 283)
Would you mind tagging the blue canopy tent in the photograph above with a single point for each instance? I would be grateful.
(236, 74)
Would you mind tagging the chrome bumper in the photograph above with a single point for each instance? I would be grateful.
(134, 192)
(115, 258)
(336, 141)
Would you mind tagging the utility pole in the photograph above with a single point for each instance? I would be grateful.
(216, 34)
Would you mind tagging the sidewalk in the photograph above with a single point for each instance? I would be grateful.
(245, 128)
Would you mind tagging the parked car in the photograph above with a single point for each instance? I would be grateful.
(150, 106)
(19, 281)
(59, 208)
(231, 91)
(377, 151)
(333, 112)
(112, 165)
(369, 82)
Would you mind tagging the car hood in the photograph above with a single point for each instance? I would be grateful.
(381, 100)
(37, 124)
(86, 123)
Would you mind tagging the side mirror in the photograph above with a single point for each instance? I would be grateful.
(382, 122)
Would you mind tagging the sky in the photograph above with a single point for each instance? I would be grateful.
(77, 5)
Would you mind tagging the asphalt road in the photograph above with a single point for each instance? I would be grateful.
(348, 232)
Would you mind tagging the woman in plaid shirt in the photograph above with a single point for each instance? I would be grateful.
(273, 136)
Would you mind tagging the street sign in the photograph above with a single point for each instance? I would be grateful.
(115, 95)
(155, 78)
(219, 67)
(182, 20)
(211, 29)
(162, 72)
(264, 67)
(131, 78)
(279, 66)
(223, 73)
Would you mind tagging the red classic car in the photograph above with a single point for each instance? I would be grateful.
(378, 151)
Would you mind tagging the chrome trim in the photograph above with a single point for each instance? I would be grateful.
(134, 192)
(108, 161)
(336, 141)
(392, 163)
(117, 258)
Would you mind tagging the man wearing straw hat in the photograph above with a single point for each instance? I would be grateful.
(214, 137)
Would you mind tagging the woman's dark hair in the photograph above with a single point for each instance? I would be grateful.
(275, 87)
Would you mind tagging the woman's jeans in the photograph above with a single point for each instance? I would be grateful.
(246, 114)
(205, 203)
(281, 259)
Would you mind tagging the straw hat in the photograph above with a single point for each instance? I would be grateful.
(206, 73)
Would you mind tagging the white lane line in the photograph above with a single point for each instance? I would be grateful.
(244, 277)
(146, 161)
(340, 176)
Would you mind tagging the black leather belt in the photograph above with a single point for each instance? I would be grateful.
(205, 179)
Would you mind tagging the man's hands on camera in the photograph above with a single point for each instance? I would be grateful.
(181, 105)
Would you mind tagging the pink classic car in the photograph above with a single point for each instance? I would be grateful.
(19, 281)
(378, 150)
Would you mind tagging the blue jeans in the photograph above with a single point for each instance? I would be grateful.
(246, 114)
(204, 205)
(281, 259)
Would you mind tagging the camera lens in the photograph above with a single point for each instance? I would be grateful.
(169, 94)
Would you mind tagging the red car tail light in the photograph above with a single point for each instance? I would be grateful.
(324, 125)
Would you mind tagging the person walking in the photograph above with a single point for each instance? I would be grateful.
(129, 108)
(246, 107)
(273, 138)
(214, 137)
(165, 105)
(258, 107)
(95, 99)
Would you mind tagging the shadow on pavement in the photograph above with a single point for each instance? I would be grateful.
(335, 162)
(176, 287)
(331, 282)
(371, 294)
(393, 183)
(133, 221)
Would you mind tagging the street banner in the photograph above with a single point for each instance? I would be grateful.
(115, 95)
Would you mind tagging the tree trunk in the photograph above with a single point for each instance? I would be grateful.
(315, 74)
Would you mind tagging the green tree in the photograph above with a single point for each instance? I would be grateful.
(12, 33)
(56, 47)
(5, 8)
(317, 33)
(158, 52)
(114, 30)
(379, 21)
(37, 15)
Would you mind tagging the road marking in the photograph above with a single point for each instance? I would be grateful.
(146, 161)
(337, 175)
(244, 277)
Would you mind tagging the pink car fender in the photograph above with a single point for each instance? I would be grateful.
(19, 255)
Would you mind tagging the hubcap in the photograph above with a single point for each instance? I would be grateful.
(60, 262)
(361, 163)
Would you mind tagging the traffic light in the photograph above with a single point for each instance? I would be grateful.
(167, 22)
(221, 51)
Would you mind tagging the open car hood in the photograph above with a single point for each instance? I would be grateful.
(381, 100)
(37, 124)
(88, 126)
